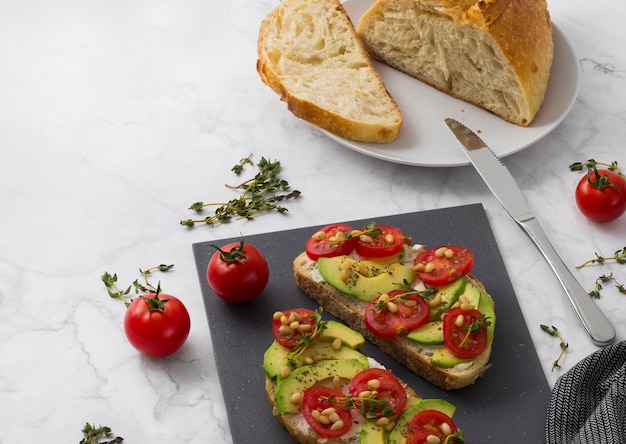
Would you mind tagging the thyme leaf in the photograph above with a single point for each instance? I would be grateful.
(110, 281)
(308, 338)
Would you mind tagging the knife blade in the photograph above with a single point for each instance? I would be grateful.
(502, 184)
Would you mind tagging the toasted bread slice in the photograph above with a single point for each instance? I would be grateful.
(404, 350)
(496, 54)
(309, 54)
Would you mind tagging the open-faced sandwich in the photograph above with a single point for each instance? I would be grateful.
(422, 307)
(324, 390)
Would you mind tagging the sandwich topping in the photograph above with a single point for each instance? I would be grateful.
(324, 383)
(427, 295)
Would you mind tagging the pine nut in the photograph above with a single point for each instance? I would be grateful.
(435, 302)
(285, 330)
(445, 428)
(328, 411)
(365, 394)
(392, 307)
(463, 299)
(383, 297)
(373, 384)
(429, 268)
(419, 267)
(324, 419)
(340, 236)
(318, 235)
(337, 383)
(296, 398)
(440, 252)
(410, 303)
(366, 239)
(334, 417)
(303, 328)
(433, 439)
(336, 345)
(278, 315)
(382, 421)
(389, 427)
(467, 306)
(284, 371)
(363, 269)
(308, 360)
(294, 325)
(460, 319)
(337, 425)
(389, 238)
(316, 415)
(449, 253)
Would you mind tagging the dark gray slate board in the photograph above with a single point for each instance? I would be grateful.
(507, 405)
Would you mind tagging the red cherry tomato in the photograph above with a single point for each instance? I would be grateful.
(457, 339)
(449, 263)
(602, 204)
(319, 398)
(430, 422)
(387, 324)
(291, 337)
(157, 326)
(332, 240)
(384, 241)
(238, 272)
(387, 388)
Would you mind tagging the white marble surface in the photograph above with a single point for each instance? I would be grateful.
(116, 115)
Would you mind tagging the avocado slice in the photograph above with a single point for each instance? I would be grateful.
(431, 333)
(306, 376)
(276, 355)
(371, 433)
(349, 337)
(449, 294)
(366, 279)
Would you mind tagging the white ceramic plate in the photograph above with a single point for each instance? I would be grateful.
(424, 140)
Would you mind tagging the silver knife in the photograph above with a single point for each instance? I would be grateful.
(502, 184)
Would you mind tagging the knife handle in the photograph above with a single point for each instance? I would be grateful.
(593, 319)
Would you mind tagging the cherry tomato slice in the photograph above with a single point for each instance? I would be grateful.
(386, 324)
(388, 388)
(450, 263)
(289, 340)
(324, 243)
(430, 422)
(602, 204)
(386, 242)
(456, 338)
(319, 398)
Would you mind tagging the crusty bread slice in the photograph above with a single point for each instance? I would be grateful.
(496, 54)
(406, 351)
(309, 54)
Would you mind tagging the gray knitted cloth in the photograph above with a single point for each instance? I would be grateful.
(588, 403)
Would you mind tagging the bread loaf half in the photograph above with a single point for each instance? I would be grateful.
(309, 53)
(495, 54)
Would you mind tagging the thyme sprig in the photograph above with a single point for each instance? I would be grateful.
(110, 281)
(262, 193)
(94, 435)
(479, 323)
(369, 406)
(591, 164)
(597, 180)
(308, 338)
(603, 279)
(619, 257)
(553, 331)
(384, 299)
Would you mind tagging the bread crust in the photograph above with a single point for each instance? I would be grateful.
(521, 33)
(364, 88)
(414, 356)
